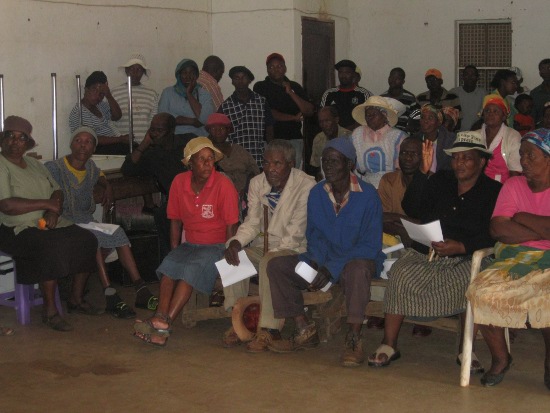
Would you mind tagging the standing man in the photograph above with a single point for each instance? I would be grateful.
(209, 77)
(288, 102)
(436, 94)
(328, 122)
(346, 96)
(249, 113)
(344, 244)
(284, 191)
(471, 97)
(144, 100)
(541, 94)
(396, 80)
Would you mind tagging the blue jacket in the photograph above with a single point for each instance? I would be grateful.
(355, 233)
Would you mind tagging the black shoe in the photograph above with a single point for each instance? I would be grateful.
(491, 379)
(121, 310)
(83, 308)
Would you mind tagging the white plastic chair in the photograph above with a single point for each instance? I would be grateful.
(468, 340)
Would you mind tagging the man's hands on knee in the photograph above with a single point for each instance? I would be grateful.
(231, 253)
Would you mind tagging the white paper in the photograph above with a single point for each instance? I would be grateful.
(425, 233)
(108, 229)
(305, 271)
(230, 274)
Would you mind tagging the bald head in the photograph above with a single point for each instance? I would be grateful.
(214, 66)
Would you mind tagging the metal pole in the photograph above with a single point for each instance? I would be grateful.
(54, 115)
(79, 97)
(130, 114)
(1, 103)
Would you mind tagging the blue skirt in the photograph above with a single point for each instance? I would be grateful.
(194, 264)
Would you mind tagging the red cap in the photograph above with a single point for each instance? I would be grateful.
(274, 56)
(434, 72)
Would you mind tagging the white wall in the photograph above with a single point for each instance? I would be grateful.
(420, 34)
(77, 37)
(245, 32)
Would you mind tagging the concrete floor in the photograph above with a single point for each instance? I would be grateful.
(100, 367)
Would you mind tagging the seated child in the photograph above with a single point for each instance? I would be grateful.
(523, 121)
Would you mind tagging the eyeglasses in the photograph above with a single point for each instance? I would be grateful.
(12, 135)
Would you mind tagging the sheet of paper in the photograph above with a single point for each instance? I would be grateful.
(230, 274)
(425, 233)
(305, 271)
(108, 229)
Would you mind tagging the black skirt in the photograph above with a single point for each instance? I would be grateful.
(43, 255)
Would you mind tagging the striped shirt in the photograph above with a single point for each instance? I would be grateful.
(144, 106)
(102, 126)
(212, 87)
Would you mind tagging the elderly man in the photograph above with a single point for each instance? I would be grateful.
(330, 129)
(158, 156)
(396, 80)
(144, 99)
(283, 190)
(347, 95)
(209, 77)
(436, 94)
(344, 242)
(288, 101)
(249, 113)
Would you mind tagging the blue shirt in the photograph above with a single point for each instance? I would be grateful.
(176, 105)
(355, 233)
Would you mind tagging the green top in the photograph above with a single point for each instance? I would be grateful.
(32, 182)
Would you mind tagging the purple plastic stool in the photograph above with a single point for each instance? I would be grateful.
(24, 296)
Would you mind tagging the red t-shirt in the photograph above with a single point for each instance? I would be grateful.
(205, 216)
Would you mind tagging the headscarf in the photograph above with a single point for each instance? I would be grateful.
(179, 86)
(451, 112)
(428, 108)
(540, 138)
(494, 99)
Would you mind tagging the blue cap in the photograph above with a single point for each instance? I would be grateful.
(344, 145)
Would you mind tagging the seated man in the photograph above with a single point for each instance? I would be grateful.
(344, 241)
(159, 156)
(330, 129)
(284, 190)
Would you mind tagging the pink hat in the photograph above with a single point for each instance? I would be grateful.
(219, 119)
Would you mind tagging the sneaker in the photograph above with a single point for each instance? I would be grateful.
(121, 310)
(261, 341)
(230, 338)
(304, 339)
(353, 355)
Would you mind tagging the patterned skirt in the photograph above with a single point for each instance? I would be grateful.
(514, 290)
(418, 288)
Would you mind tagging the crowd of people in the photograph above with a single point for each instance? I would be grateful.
(477, 161)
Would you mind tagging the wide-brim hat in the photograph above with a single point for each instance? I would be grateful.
(241, 69)
(19, 124)
(136, 59)
(358, 112)
(468, 140)
(195, 145)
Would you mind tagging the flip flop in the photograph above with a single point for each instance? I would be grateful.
(146, 327)
(6, 331)
(147, 339)
(473, 369)
(390, 353)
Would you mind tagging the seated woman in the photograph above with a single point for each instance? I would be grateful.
(462, 199)
(44, 245)
(436, 138)
(513, 291)
(203, 203)
(98, 114)
(502, 141)
(187, 101)
(377, 140)
(77, 175)
(237, 163)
